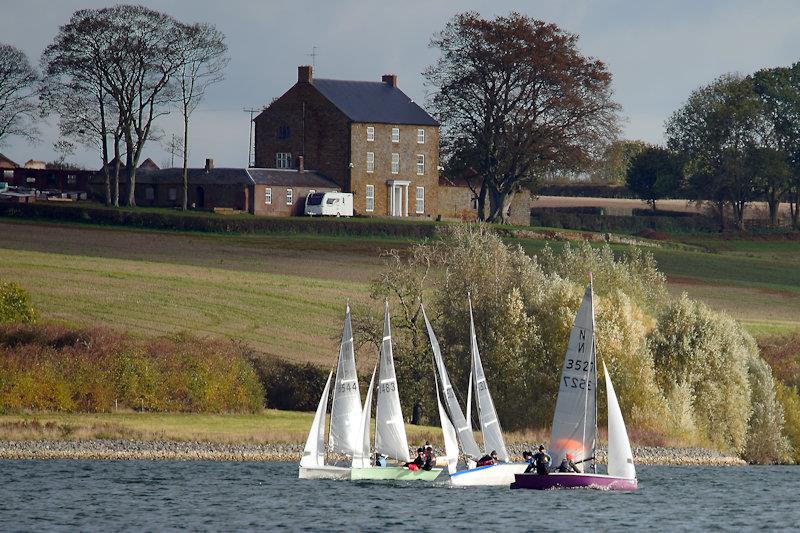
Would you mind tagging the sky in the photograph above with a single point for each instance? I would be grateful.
(657, 52)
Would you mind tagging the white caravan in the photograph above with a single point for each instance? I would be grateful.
(337, 204)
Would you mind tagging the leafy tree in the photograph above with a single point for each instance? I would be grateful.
(653, 174)
(779, 92)
(517, 99)
(18, 84)
(772, 172)
(612, 168)
(713, 132)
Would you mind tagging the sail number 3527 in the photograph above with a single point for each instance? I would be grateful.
(575, 383)
(579, 364)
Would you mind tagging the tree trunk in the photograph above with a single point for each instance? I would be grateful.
(499, 203)
(482, 203)
(738, 213)
(117, 164)
(773, 201)
(794, 206)
(185, 159)
(131, 171)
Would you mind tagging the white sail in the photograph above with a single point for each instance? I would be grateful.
(449, 435)
(469, 401)
(490, 424)
(463, 429)
(620, 458)
(344, 436)
(314, 452)
(575, 419)
(390, 429)
(361, 453)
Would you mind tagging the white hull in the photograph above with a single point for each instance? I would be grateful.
(491, 475)
(324, 472)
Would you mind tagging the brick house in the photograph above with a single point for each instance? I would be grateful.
(369, 138)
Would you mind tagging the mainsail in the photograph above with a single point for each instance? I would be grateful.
(490, 424)
(346, 406)
(361, 454)
(390, 429)
(620, 458)
(575, 419)
(448, 433)
(463, 428)
(314, 452)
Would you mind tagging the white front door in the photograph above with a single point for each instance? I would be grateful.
(397, 208)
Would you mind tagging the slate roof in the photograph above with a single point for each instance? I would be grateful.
(373, 101)
(230, 176)
(291, 177)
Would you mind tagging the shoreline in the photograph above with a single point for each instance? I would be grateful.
(115, 450)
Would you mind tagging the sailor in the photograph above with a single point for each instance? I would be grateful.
(567, 465)
(430, 458)
(488, 459)
(527, 457)
(541, 462)
(380, 459)
(418, 462)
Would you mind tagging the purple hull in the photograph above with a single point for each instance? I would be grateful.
(572, 481)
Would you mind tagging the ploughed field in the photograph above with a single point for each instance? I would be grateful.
(284, 294)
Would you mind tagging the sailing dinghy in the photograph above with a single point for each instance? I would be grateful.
(574, 427)
(501, 473)
(343, 436)
(390, 429)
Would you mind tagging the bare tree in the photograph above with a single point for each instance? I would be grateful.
(18, 87)
(120, 61)
(203, 60)
(74, 88)
(516, 98)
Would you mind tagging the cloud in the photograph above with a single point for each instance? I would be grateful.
(657, 51)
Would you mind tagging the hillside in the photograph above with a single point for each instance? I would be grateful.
(284, 294)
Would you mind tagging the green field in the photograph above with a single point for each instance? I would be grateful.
(284, 294)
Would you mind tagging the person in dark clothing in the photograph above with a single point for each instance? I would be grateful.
(488, 459)
(527, 457)
(430, 458)
(567, 465)
(541, 462)
(418, 462)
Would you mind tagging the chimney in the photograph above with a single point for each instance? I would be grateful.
(391, 79)
(300, 164)
(209, 165)
(305, 74)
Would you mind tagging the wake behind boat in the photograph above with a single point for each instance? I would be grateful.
(574, 429)
(343, 436)
(390, 429)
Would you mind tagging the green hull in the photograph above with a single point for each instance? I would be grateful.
(397, 473)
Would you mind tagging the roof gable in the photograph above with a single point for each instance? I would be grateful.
(368, 101)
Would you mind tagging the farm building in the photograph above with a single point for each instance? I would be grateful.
(259, 191)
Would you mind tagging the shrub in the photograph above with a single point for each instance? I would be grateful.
(15, 304)
(766, 442)
(288, 385)
(710, 353)
(208, 222)
(47, 367)
(790, 402)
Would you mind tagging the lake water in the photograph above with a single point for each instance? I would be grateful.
(140, 495)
